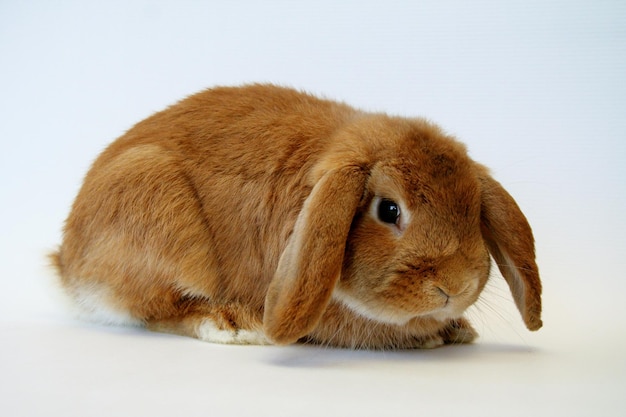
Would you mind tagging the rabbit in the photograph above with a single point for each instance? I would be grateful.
(260, 214)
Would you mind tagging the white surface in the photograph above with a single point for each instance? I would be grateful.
(535, 88)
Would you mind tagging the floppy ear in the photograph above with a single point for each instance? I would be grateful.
(510, 241)
(311, 263)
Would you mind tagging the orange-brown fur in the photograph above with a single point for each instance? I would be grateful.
(250, 207)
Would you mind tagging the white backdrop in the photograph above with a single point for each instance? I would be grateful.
(537, 90)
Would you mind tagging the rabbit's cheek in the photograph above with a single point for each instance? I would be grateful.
(441, 290)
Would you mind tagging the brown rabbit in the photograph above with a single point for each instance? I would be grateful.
(260, 214)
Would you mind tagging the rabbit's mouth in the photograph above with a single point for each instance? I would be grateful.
(442, 308)
(399, 307)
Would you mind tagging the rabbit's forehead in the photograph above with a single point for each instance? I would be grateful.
(432, 181)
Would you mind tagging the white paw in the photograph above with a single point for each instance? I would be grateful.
(209, 332)
(432, 342)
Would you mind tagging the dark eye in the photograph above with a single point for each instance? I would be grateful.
(388, 211)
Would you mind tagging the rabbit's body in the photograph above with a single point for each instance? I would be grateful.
(253, 215)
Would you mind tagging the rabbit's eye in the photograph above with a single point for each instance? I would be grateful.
(388, 211)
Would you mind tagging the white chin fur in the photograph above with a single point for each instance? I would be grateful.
(362, 309)
(444, 314)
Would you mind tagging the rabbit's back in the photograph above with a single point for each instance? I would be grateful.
(197, 199)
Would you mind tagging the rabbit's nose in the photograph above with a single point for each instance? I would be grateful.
(451, 292)
(444, 294)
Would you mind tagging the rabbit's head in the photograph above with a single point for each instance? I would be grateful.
(399, 224)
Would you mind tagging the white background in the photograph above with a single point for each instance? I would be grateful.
(537, 89)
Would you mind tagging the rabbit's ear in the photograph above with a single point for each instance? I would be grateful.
(510, 241)
(311, 263)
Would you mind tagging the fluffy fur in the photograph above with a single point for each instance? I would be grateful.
(249, 215)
